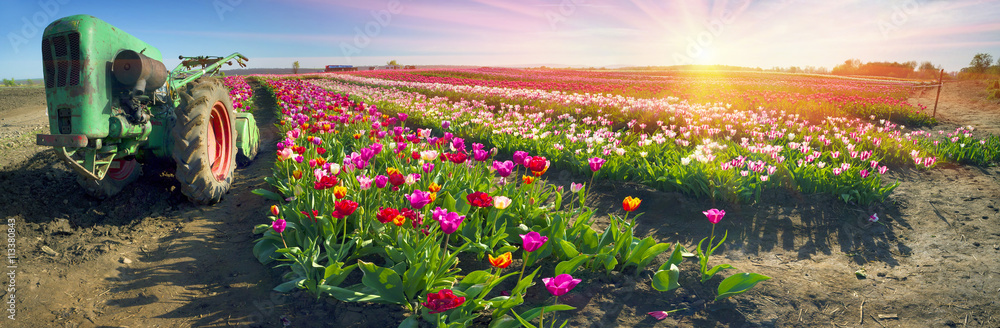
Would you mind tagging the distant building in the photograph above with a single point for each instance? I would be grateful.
(340, 68)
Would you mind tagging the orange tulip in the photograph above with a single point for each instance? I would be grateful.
(630, 203)
(297, 174)
(339, 192)
(399, 220)
(527, 179)
(501, 261)
(434, 187)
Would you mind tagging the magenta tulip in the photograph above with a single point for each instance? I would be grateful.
(595, 163)
(714, 215)
(532, 241)
(450, 222)
(659, 315)
(278, 225)
(418, 199)
(560, 284)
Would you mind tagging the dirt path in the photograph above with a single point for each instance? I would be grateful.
(148, 258)
(963, 103)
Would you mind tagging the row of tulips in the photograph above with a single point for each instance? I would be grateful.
(843, 96)
(358, 190)
(804, 95)
(767, 130)
(240, 92)
(756, 151)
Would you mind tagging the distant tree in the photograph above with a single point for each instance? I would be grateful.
(31, 82)
(392, 63)
(9, 82)
(849, 67)
(295, 67)
(980, 62)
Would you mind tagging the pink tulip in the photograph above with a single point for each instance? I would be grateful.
(714, 215)
(560, 284)
(418, 199)
(450, 222)
(285, 154)
(659, 315)
(595, 163)
(532, 241)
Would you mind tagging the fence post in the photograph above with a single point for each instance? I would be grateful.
(940, 83)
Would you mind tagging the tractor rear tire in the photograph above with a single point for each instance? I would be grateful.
(114, 181)
(205, 141)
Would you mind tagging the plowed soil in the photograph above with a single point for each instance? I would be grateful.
(149, 258)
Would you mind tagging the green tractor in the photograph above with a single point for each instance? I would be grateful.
(113, 106)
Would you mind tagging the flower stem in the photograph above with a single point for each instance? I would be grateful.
(524, 265)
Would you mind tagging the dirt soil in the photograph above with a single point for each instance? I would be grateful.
(149, 258)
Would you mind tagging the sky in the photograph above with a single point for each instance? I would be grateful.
(588, 33)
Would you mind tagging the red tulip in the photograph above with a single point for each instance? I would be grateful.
(443, 300)
(479, 199)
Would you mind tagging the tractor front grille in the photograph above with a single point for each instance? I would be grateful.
(61, 60)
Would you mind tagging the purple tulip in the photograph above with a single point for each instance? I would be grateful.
(358, 160)
(438, 213)
(532, 241)
(519, 157)
(428, 167)
(278, 225)
(367, 153)
(560, 284)
(445, 124)
(503, 168)
(381, 180)
(480, 155)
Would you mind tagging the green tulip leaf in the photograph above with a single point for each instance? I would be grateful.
(570, 266)
(666, 280)
(739, 283)
(384, 281)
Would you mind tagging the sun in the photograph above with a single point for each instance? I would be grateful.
(706, 57)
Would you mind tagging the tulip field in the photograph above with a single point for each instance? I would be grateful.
(432, 191)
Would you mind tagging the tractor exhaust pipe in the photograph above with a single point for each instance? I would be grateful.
(143, 73)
